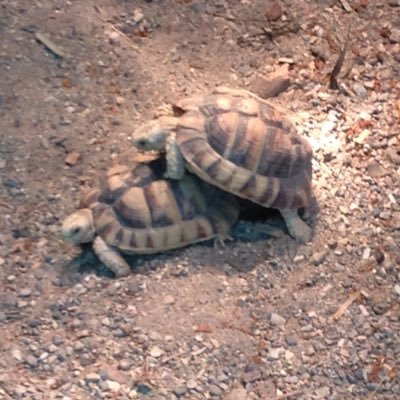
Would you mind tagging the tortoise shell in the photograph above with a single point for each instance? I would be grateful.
(138, 211)
(246, 146)
(223, 100)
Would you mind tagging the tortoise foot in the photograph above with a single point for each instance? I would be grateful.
(298, 229)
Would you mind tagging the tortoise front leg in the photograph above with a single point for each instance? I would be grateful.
(175, 161)
(111, 258)
(298, 229)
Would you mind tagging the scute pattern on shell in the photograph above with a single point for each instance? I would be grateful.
(213, 104)
(247, 147)
(138, 211)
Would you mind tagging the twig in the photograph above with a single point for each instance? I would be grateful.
(174, 356)
(227, 17)
(341, 310)
(346, 5)
(49, 45)
(333, 84)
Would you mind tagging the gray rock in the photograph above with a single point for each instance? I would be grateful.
(181, 391)
(394, 36)
(360, 90)
(191, 384)
(251, 376)
(79, 345)
(291, 340)
(238, 393)
(112, 386)
(169, 300)
(277, 320)
(274, 354)
(125, 364)
(385, 215)
(318, 258)
(323, 392)
(25, 292)
(156, 352)
(393, 156)
(31, 361)
(57, 340)
(215, 390)
(375, 170)
(92, 377)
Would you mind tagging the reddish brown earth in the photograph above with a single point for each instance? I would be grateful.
(263, 318)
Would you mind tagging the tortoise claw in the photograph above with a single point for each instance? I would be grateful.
(219, 241)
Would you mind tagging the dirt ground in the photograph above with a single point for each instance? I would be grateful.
(263, 318)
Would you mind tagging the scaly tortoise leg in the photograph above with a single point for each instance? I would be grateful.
(175, 161)
(111, 258)
(298, 229)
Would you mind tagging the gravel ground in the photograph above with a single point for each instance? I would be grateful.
(263, 318)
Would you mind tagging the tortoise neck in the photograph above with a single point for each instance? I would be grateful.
(168, 124)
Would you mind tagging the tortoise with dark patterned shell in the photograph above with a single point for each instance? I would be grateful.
(137, 211)
(240, 143)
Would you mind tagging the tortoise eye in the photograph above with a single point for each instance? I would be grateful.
(142, 143)
(76, 230)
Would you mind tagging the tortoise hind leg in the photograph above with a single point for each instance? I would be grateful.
(298, 229)
(111, 258)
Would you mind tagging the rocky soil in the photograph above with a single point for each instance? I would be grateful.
(263, 318)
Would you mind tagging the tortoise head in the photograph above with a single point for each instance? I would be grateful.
(153, 134)
(78, 227)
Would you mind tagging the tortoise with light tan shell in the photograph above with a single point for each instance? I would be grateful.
(137, 211)
(240, 143)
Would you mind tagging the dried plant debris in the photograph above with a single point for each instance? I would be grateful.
(333, 83)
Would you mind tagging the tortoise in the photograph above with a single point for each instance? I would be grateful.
(137, 211)
(240, 143)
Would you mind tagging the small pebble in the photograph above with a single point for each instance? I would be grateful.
(92, 377)
(277, 320)
(26, 292)
(111, 386)
(156, 352)
(180, 391)
(360, 90)
(323, 392)
(191, 384)
(251, 376)
(318, 258)
(169, 300)
(31, 361)
(274, 354)
(394, 36)
(215, 390)
(291, 340)
(238, 393)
